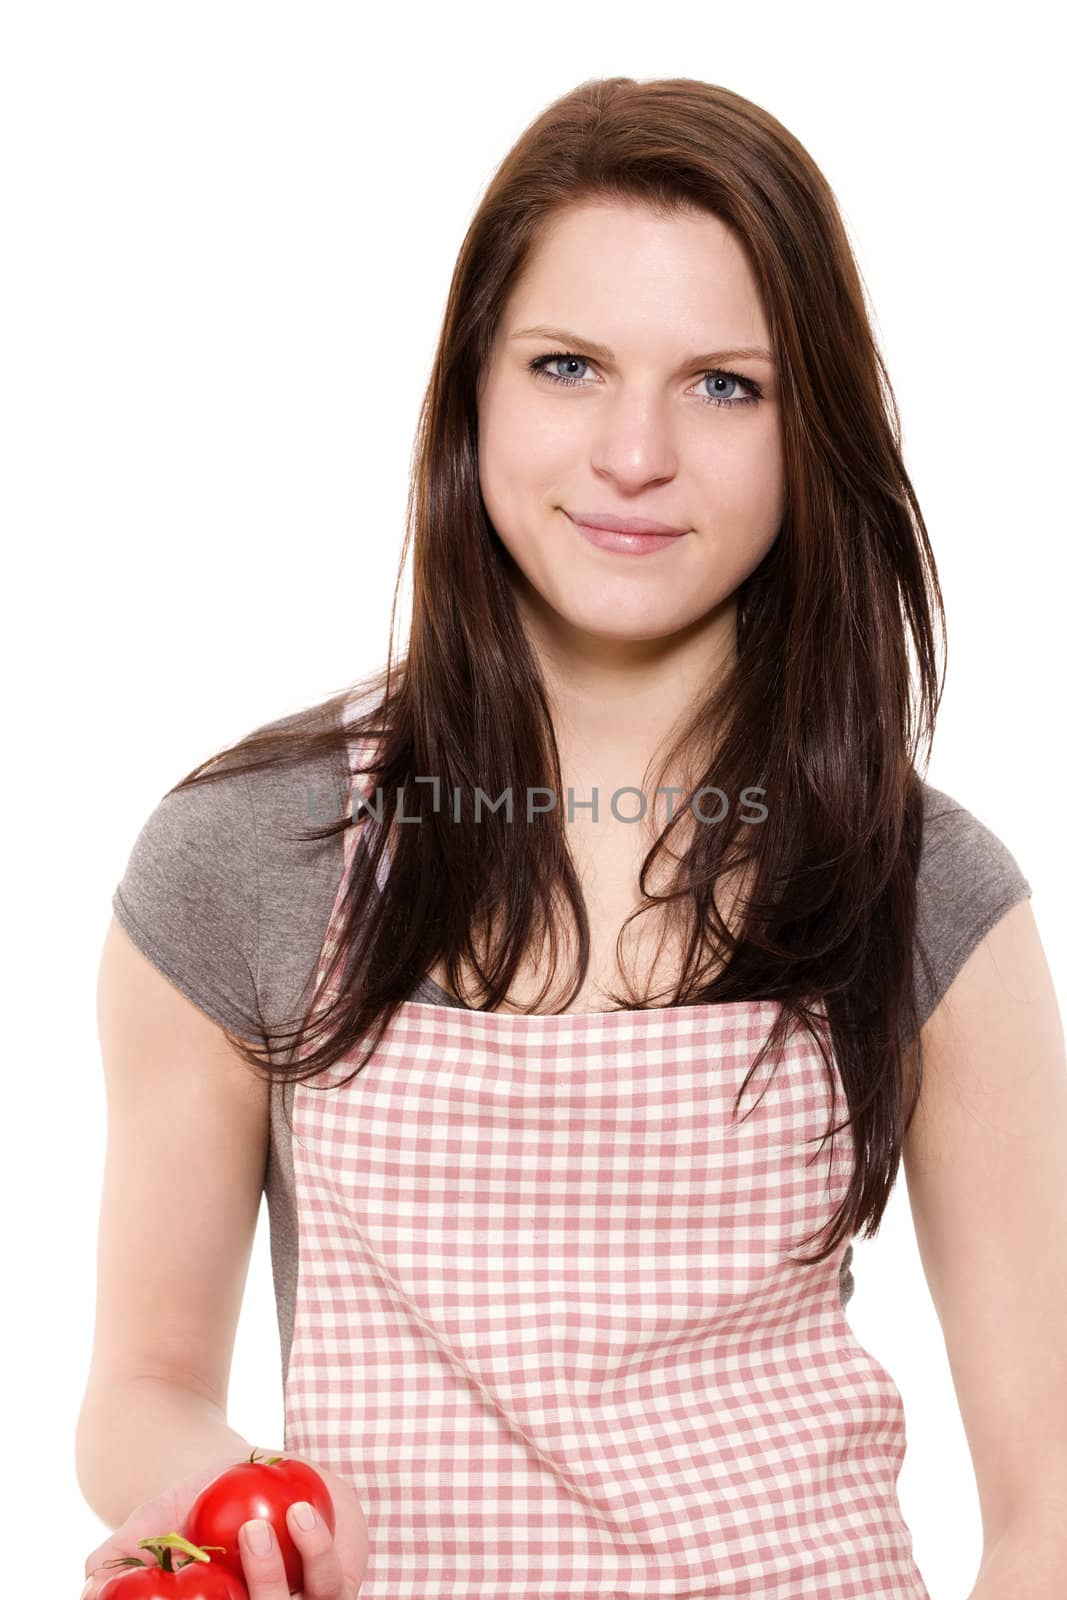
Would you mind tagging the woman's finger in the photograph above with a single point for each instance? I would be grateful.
(262, 1561)
(324, 1577)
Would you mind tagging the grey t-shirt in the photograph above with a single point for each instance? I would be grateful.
(224, 899)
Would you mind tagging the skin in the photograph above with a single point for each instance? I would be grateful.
(625, 643)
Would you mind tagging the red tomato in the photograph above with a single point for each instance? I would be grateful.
(252, 1488)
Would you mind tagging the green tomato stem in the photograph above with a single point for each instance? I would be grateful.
(164, 1545)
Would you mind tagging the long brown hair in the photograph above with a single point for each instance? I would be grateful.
(819, 714)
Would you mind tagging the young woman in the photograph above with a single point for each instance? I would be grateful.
(577, 985)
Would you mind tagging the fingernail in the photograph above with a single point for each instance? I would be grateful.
(303, 1514)
(87, 1590)
(258, 1535)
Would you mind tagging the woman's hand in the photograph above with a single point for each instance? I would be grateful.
(163, 1514)
(340, 1560)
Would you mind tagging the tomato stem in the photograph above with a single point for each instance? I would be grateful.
(164, 1545)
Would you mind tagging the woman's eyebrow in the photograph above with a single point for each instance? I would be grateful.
(746, 352)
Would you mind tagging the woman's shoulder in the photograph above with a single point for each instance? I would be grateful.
(968, 879)
(226, 899)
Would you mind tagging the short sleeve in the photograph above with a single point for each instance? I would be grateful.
(968, 879)
(189, 899)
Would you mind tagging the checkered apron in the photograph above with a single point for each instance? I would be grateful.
(547, 1324)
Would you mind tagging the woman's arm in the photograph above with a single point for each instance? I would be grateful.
(138, 1437)
(187, 1133)
(986, 1167)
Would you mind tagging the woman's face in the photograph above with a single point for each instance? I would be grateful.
(646, 313)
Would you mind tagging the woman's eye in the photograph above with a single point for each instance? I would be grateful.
(731, 382)
(544, 363)
(726, 384)
(723, 385)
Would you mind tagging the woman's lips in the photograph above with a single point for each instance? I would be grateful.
(606, 519)
(621, 534)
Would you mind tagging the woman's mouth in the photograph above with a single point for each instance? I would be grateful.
(632, 536)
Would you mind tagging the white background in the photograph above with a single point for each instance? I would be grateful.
(229, 233)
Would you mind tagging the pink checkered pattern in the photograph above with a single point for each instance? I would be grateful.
(548, 1328)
